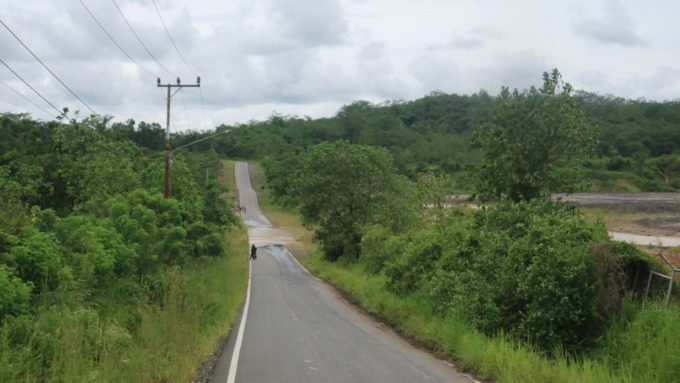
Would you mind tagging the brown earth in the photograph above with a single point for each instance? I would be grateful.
(642, 213)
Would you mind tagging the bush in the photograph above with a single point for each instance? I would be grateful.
(37, 258)
(524, 269)
(14, 293)
(408, 273)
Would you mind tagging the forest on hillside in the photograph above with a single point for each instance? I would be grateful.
(638, 142)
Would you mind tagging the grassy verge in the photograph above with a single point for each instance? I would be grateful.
(113, 339)
(641, 347)
(201, 305)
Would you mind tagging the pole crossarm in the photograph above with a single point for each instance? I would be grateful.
(179, 86)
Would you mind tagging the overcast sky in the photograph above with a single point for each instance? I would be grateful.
(311, 57)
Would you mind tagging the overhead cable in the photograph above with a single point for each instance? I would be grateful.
(171, 40)
(114, 41)
(30, 87)
(205, 122)
(185, 110)
(140, 40)
(182, 57)
(28, 99)
(48, 69)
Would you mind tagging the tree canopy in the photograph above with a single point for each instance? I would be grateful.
(531, 144)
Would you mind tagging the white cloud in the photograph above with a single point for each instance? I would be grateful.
(310, 57)
(614, 26)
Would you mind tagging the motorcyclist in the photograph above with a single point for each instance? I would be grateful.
(253, 252)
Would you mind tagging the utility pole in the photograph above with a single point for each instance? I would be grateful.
(179, 87)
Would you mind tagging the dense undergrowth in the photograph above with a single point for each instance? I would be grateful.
(101, 278)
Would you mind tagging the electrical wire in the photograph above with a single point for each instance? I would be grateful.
(30, 87)
(140, 40)
(48, 69)
(114, 41)
(205, 122)
(28, 99)
(170, 36)
(185, 110)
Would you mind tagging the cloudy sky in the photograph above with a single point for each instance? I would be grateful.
(311, 57)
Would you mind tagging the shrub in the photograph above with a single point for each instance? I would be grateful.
(14, 293)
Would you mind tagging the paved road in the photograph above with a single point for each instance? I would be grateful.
(296, 329)
(645, 240)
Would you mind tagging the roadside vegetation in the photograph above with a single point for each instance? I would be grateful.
(101, 278)
(523, 289)
(104, 280)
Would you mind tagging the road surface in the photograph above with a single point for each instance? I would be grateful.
(295, 328)
(645, 240)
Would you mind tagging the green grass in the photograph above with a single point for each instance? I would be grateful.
(167, 343)
(644, 346)
(615, 220)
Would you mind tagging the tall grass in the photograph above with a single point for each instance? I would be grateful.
(112, 338)
(642, 346)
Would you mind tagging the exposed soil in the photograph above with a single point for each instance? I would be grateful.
(659, 212)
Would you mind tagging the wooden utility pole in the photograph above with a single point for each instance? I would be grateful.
(179, 87)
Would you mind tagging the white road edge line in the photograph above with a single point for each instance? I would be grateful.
(231, 378)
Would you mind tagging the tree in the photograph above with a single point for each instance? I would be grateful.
(531, 143)
(341, 188)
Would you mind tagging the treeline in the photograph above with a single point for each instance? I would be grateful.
(88, 243)
(638, 148)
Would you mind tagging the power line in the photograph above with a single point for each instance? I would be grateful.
(182, 57)
(185, 109)
(30, 87)
(28, 99)
(114, 41)
(140, 40)
(205, 122)
(171, 40)
(48, 69)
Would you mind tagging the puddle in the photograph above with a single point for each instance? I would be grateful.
(283, 257)
(262, 236)
(256, 223)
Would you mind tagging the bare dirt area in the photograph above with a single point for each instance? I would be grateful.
(636, 213)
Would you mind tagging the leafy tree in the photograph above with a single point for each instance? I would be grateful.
(21, 185)
(532, 141)
(14, 293)
(341, 189)
(668, 167)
